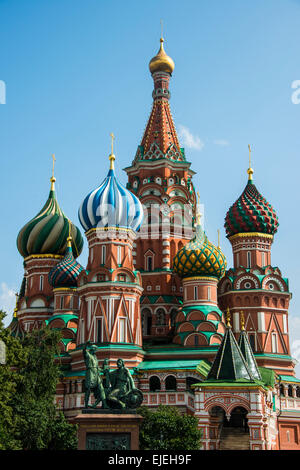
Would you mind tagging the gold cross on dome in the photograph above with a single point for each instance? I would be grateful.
(112, 142)
(53, 163)
(112, 157)
(249, 147)
(218, 238)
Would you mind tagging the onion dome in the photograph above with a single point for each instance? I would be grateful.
(47, 232)
(66, 272)
(251, 212)
(161, 62)
(200, 257)
(111, 205)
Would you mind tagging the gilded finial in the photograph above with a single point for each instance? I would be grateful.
(112, 156)
(53, 179)
(218, 238)
(242, 321)
(16, 307)
(69, 239)
(161, 29)
(198, 213)
(250, 170)
(228, 318)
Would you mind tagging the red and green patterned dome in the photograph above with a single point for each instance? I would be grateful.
(251, 212)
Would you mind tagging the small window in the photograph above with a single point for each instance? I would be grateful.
(171, 383)
(252, 341)
(263, 258)
(61, 302)
(122, 330)
(149, 263)
(103, 254)
(248, 259)
(119, 261)
(41, 282)
(208, 293)
(154, 384)
(99, 330)
(274, 343)
(196, 293)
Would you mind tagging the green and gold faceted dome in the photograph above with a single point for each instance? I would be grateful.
(48, 231)
(200, 257)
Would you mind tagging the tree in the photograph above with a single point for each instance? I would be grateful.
(168, 429)
(33, 370)
(9, 381)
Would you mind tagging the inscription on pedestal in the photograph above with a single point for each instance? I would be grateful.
(107, 441)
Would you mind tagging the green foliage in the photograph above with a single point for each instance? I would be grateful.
(29, 418)
(168, 429)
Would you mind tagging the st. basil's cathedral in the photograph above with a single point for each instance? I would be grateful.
(212, 341)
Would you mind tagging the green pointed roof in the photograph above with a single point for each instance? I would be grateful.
(229, 363)
(247, 352)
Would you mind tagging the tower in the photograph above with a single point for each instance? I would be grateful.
(200, 264)
(161, 177)
(253, 284)
(42, 242)
(110, 287)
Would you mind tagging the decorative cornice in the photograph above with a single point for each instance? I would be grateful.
(251, 234)
(43, 256)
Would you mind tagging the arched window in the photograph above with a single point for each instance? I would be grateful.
(252, 341)
(298, 392)
(196, 293)
(119, 261)
(160, 317)
(281, 389)
(103, 254)
(146, 321)
(149, 263)
(171, 383)
(154, 384)
(274, 343)
(248, 259)
(41, 282)
(191, 381)
(173, 314)
(290, 391)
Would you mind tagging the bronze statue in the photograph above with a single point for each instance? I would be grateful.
(93, 381)
(118, 389)
(123, 392)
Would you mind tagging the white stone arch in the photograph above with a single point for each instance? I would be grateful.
(248, 277)
(275, 280)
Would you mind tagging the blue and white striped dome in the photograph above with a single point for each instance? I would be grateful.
(111, 205)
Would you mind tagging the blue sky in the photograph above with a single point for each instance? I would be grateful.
(76, 70)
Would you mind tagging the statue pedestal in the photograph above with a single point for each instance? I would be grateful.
(108, 430)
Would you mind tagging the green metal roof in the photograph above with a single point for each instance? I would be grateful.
(229, 363)
(64, 317)
(289, 378)
(193, 364)
(247, 352)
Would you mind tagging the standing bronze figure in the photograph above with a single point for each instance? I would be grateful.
(93, 381)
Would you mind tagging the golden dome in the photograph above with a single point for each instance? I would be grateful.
(161, 62)
(200, 257)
